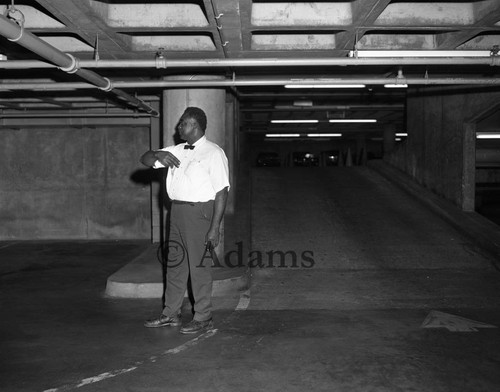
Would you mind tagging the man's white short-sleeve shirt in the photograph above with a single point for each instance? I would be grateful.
(203, 171)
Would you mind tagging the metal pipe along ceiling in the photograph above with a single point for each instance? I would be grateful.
(15, 33)
(253, 82)
(71, 115)
(262, 62)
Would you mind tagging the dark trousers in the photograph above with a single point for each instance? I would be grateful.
(189, 224)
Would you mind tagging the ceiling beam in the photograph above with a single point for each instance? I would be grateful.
(65, 62)
(11, 105)
(246, 24)
(259, 95)
(318, 108)
(78, 122)
(82, 20)
(52, 101)
(74, 99)
(229, 25)
(454, 39)
(364, 13)
(213, 30)
(53, 106)
(69, 114)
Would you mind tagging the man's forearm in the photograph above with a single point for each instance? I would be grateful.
(219, 208)
(166, 158)
(149, 158)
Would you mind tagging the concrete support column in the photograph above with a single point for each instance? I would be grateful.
(229, 148)
(212, 101)
(389, 138)
(156, 187)
(361, 153)
(469, 168)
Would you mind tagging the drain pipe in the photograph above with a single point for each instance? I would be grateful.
(66, 62)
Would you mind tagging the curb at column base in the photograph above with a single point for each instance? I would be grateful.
(142, 278)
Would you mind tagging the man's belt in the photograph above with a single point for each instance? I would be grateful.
(192, 203)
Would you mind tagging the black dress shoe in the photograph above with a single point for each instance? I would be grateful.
(163, 321)
(195, 326)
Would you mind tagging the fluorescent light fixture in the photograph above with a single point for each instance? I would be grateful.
(398, 139)
(401, 134)
(353, 120)
(282, 134)
(324, 134)
(400, 81)
(3, 57)
(396, 85)
(419, 53)
(325, 86)
(302, 102)
(487, 135)
(294, 121)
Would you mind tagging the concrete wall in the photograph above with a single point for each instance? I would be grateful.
(437, 144)
(74, 183)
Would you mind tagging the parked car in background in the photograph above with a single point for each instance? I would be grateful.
(331, 158)
(269, 159)
(305, 159)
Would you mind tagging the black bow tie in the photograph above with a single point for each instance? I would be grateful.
(188, 147)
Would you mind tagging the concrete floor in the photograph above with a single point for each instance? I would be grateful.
(356, 314)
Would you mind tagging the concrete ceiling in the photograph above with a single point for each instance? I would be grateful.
(255, 46)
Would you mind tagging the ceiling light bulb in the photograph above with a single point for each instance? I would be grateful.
(353, 120)
(282, 134)
(419, 53)
(294, 121)
(324, 134)
(396, 85)
(325, 86)
(487, 135)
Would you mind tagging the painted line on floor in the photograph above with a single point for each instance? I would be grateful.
(92, 380)
(114, 373)
(453, 323)
(243, 303)
(6, 246)
(104, 376)
(192, 342)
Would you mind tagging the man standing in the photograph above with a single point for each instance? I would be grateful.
(198, 184)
